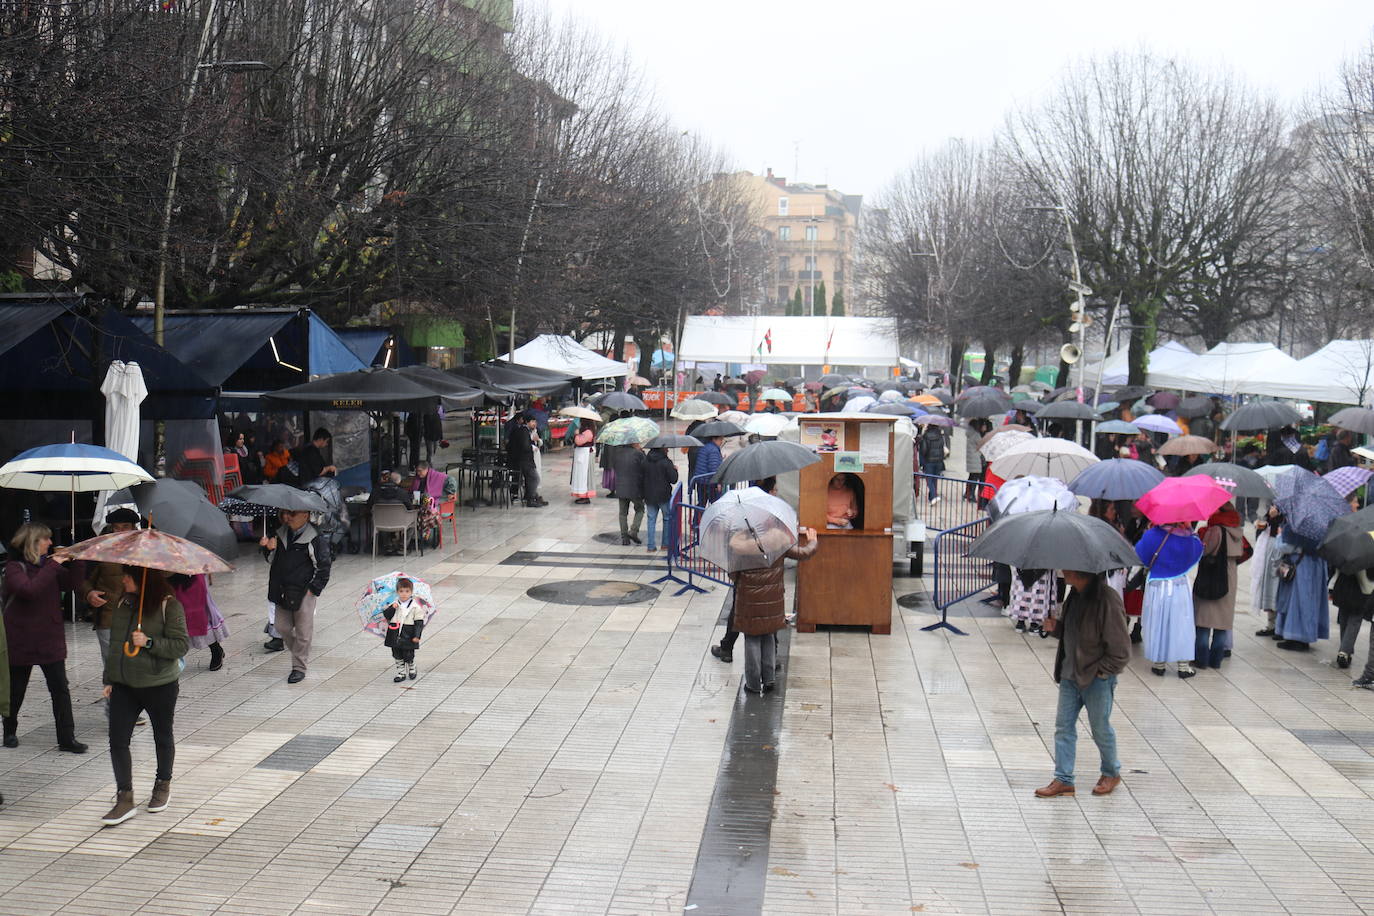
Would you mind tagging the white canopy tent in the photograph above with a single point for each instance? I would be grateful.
(563, 354)
(1342, 372)
(795, 341)
(1227, 368)
(1116, 367)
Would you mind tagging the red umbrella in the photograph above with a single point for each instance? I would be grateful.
(754, 375)
(1183, 499)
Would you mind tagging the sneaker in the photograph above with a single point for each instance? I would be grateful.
(274, 645)
(1185, 670)
(412, 673)
(1158, 670)
(1021, 625)
(124, 808)
(162, 791)
(934, 500)
(1342, 660)
(400, 676)
(724, 655)
(1366, 682)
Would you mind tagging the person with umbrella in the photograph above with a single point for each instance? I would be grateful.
(1169, 551)
(629, 489)
(1301, 600)
(520, 449)
(34, 582)
(143, 675)
(583, 466)
(1093, 649)
(1264, 575)
(300, 564)
(1284, 447)
(707, 463)
(760, 605)
(931, 451)
(974, 465)
(1224, 548)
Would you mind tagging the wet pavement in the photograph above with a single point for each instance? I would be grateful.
(594, 758)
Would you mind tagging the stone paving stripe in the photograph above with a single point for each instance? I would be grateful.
(302, 752)
(731, 871)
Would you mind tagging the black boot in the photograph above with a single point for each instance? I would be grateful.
(11, 727)
(216, 656)
(1135, 632)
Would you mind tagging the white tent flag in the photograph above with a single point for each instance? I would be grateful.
(124, 391)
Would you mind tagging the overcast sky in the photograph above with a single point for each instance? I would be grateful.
(852, 90)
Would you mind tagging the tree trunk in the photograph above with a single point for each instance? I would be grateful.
(618, 345)
(989, 363)
(956, 363)
(1143, 333)
(1018, 356)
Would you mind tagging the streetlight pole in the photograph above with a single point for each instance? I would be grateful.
(1080, 322)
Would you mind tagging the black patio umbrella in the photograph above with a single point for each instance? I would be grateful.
(764, 459)
(533, 380)
(717, 397)
(1248, 484)
(1199, 405)
(180, 508)
(621, 400)
(1261, 415)
(1349, 542)
(1125, 393)
(364, 389)
(1065, 410)
(985, 405)
(673, 440)
(279, 496)
(1355, 419)
(1051, 539)
(717, 428)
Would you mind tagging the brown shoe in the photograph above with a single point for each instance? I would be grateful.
(162, 791)
(124, 808)
(1106, 784)
(1054, 788)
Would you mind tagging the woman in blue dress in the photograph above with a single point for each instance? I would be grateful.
(1166, 619)
(1304, 616)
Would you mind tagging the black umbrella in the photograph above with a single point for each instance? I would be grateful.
(673, 440)
(1163, 400)
(180, 508)
(987, 404)
(717, 428)
(1125, 393)
(279, 496)
(764, 459)
(1261, 415)
(1199, 405)
(364, 389)
(620, 400)
(1349, 544)
(1355, 419)
(794, 381)
(943, 394)
(1051, 539)
(890, 386)
(1248, 484)
(1065, 410)
(833, 379)
(974, 390)
(897, 409)
(1071, 393)
(516, 377)
(1116, 478)
(717, 397)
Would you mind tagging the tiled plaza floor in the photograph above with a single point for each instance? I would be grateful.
(562, 759)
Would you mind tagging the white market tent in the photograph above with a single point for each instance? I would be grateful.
(795, 341)
(1342, 372)
(1227, 368)
(1116, 367)
(563, 354)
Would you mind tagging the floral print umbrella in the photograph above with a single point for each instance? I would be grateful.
(381, 592)
(150, 549)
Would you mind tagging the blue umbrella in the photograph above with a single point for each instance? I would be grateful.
(1116, 478)
(71, 467)
(1312, 505)
(897, 409)
(1118, 426)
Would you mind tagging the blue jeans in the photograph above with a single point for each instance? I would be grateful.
(654, 512)
(934, 469)
(1097, 697)
(1210, 647)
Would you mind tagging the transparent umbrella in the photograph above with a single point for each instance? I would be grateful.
(747, 529)
(627, 430)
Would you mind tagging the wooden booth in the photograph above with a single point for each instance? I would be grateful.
(849, 579)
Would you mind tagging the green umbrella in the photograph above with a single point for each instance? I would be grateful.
(630, 429)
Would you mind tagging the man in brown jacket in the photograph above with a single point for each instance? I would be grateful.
(760, 612)
(1093, 648)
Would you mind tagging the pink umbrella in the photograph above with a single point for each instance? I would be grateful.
(1348, 479)
(1183, 499)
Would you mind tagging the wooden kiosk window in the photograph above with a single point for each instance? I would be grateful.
(849, 580)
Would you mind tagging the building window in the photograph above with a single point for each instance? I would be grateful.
(784, 295)
(806, 299)
(784, 265)
(810, 262)
(811, 233)
(782, 206)
(784, 233)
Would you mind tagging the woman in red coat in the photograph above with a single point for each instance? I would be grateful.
(33, 623)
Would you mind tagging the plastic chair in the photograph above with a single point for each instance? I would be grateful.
(233, 474)
(448, 512)
(395, 517)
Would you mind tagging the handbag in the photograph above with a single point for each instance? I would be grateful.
(1138, 579)
(1287, 570)
(1213, 580)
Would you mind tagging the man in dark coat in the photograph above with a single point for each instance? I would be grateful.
(434, 432)
(629, 490)
(299, 572)
(520, 457)
(310, 458)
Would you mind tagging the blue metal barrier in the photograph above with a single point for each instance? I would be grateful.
(682, 538)
(959, 501)
(957, 575)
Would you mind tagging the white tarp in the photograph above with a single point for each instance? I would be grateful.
(1116, 368)
(1227, 368)
(1342, 372)
(795, 341)
(563, 354)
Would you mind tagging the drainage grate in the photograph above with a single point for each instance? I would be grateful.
(302, 752)
(600, 592)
